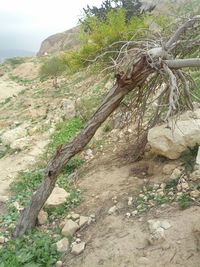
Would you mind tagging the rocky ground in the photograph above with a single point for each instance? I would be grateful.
(131, 214)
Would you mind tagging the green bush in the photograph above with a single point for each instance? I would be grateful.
(36, 249)
(52, 68)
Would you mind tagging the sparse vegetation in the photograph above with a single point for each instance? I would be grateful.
(52, 68)
(188, 158)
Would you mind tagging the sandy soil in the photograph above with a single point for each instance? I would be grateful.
(8, 88)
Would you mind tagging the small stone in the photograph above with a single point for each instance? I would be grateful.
(195, 194)
(112, 210)
(59, 264)
(78, 248)
(153, 225)
(42, 217)
(156, 186)
(62, 245)
(70, 228)
(165, 225)
(83, 221)
(195, 176)
(170, 194)
(130, 201)
(160, 192)
(176, 174)
(2, 239)
(134, 213)
(162, 186)
(89, 221)
(75, 216)
(93, 216)
(157, 236)
(57, 197)
(128, 215)
(78, 240)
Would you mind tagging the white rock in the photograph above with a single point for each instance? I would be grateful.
(70, 228)
(57, 197)
(165, 225)
(59, 264)
(171, 143)
(153, 225)
(62, 245)
(112, 210)
(175, 174)
(78, 248)
(157, 237)
(83, 221)
(130, 201)
(128, 215)
(89, 153)
(42, 217)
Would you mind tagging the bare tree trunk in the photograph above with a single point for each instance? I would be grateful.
(122, 87)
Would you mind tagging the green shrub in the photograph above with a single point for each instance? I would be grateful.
(52, 68)
(188, 158)
(37, 249)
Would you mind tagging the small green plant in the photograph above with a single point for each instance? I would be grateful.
(107, 128)
(64, 132)
(188, 158)
(32, 250)
(172, 183)
(184, 201)
(25, 184)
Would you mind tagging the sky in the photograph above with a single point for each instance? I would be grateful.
(24, 24)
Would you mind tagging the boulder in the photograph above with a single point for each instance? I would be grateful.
(57, 197)
(70, 228)
(171, 142)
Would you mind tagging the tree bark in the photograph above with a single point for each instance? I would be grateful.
(122, 87)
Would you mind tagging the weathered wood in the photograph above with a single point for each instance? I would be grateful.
(122, 87)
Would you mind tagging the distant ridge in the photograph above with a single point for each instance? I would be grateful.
(9, 53)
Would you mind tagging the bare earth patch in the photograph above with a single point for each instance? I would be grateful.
(116, 241)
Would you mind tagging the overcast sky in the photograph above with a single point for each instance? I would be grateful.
(24, 24)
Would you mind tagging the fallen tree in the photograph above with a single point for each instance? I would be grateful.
(142, 68)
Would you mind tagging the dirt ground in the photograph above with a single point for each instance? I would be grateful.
(116, 241)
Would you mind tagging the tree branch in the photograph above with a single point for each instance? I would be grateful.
(183, 63)
(176, 36)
